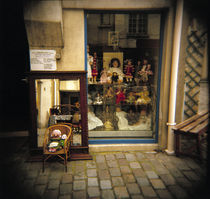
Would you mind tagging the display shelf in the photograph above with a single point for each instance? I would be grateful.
(119, 110)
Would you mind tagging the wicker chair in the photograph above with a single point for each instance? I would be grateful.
(64, 152)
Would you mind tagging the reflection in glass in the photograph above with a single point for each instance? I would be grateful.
(58, 101)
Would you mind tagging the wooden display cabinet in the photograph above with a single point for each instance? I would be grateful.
(46, 89)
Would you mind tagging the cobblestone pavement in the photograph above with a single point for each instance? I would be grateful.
(135, 175)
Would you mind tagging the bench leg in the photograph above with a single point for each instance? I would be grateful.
(177, 146)
(198, 146)
(43, 163)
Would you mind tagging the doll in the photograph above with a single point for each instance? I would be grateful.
(131, 98)
(145, 71)
(56, 134)
(89, 64)
(115, 67)
(110, 119)
(120, 96)
(137, 69)
(109, 96)
(103, 78)
(129, 69)
(144, 98)
(98, 99)
(94, 67)
(115, 77)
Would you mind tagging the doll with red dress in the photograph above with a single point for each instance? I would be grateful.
(94, 67)
(129, 69)
(120, 96)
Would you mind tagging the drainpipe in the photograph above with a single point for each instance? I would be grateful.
(174, 75)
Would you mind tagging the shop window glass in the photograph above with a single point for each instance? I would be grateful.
(122, 75)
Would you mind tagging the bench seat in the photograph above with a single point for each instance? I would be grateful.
(194, 127)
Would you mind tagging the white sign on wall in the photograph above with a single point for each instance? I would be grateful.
(43, 60)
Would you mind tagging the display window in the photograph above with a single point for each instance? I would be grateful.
(123, 64)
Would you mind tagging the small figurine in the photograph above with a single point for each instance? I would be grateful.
(110, 119)
(120, 96)
(131, 98)
(145, 71)
(115, 77)
(137, 69)
(89, 64)
(94, 67)
(109, 95)
(104, 77)
(115, 68)
(129, 69)
(98, 99)
(144, 98)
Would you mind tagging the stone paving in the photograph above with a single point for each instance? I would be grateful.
(135, 175)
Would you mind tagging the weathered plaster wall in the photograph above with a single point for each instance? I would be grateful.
(117, 4)
(43, 10)
(73, 53)
(43, 21)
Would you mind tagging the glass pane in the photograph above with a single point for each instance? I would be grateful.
(58, 102)
(122, 79)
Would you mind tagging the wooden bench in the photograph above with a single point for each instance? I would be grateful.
(194, 127)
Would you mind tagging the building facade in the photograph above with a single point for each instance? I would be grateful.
(146, 64)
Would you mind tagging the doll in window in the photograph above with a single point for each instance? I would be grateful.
(143, 98)
(94, 67)
(98, 99)
(131, 98)
(109, 118)
(145, 71)
(104, 77)
(109, 95)
(89, 65)
(129, 69)
(115, 71)
(115, 77)
(120, 95)
(137, 69)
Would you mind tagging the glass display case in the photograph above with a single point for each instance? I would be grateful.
(59, 97)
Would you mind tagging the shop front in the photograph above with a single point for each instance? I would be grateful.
(106, 68)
